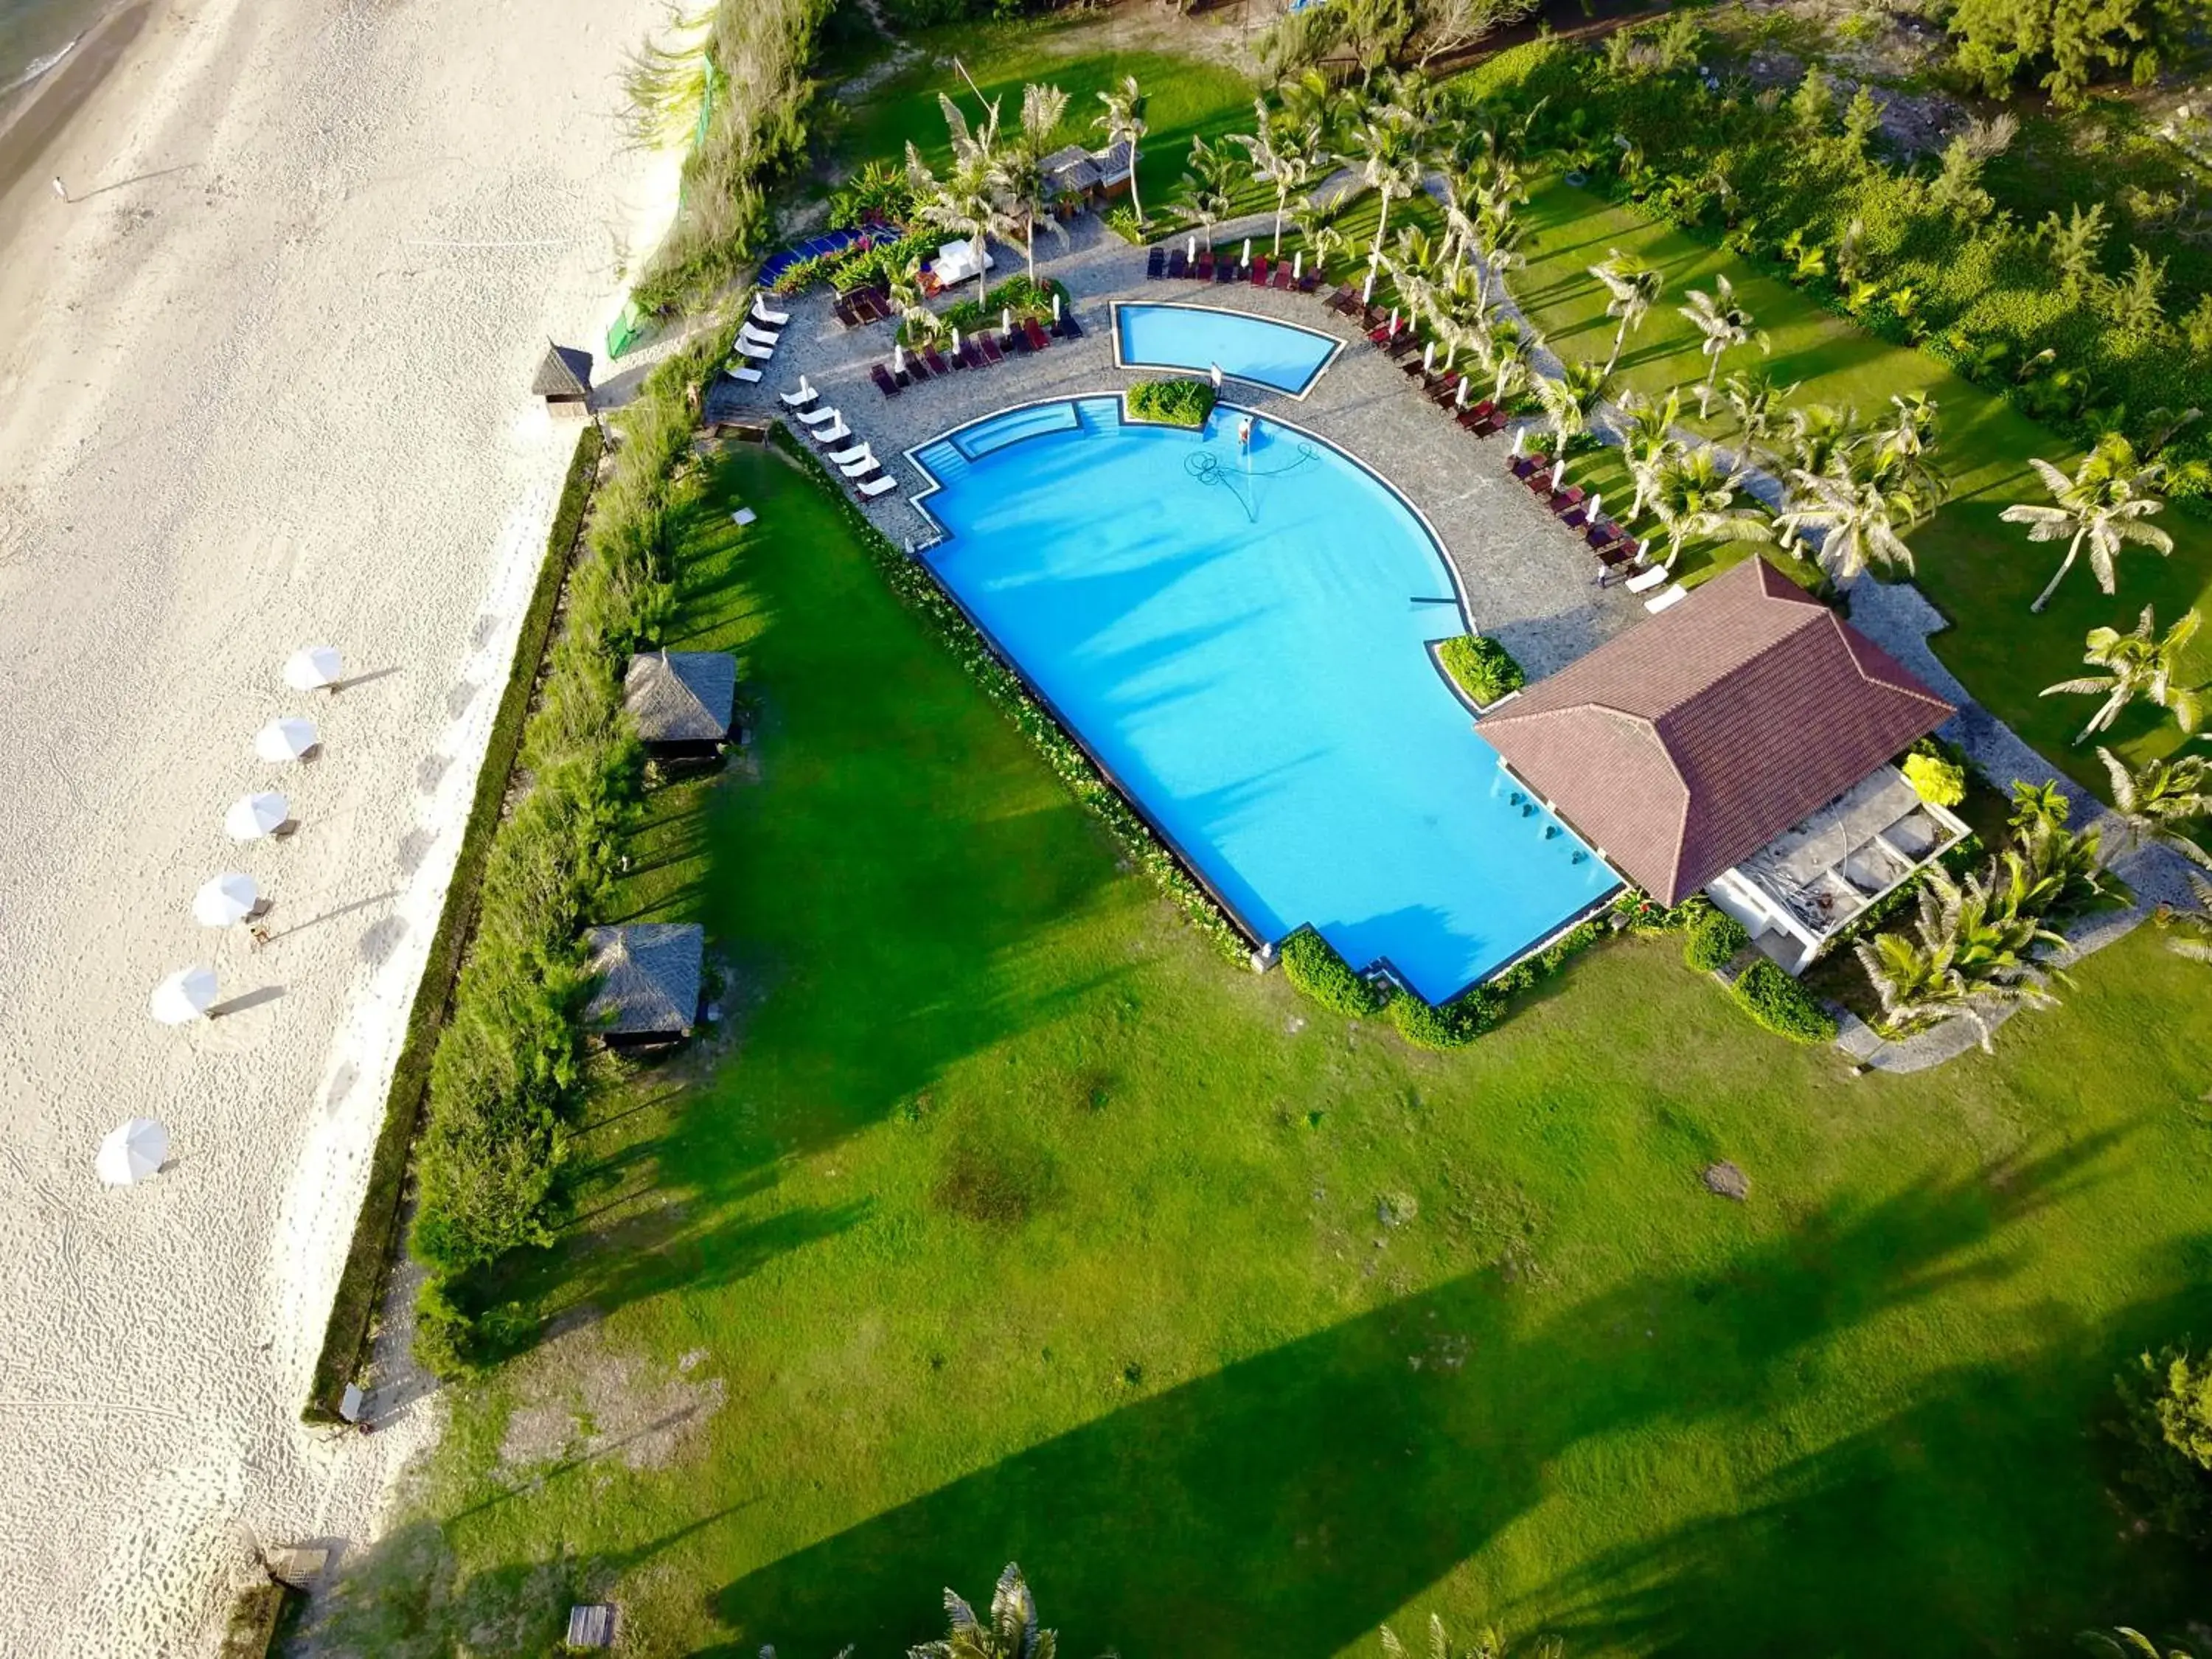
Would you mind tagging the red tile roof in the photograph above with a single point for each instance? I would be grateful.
(1694, 740)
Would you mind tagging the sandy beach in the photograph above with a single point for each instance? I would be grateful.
(262, 384)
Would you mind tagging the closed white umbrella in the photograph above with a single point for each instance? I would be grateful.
(1006, 321)
(315, 668)
(1596, 501)
(184, 996)
(225, 900)
(1190, 247)
(131, 1152)
(1466, 386)
(1519, 432)
(1428, 357)
(287, 740)
(1299, 266)
(1558, 472)
(1055, 307)
(251, 816)
(898, 358)
(1248, 250)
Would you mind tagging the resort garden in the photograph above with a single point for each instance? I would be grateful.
(1004, 1214)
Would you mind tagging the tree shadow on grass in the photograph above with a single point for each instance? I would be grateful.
(1289, 1503)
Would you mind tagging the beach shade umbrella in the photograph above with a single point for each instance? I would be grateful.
(131, 1152)
(251, 816)
(1466, 386)
(1007, 320)
(1248, 250)
(1367, 287)
(225, 900)
(1596, 501)
(287, 740)
(1428, 357)
(315, 668)
(898, 358)
(185, 996)
(1299, 266)
(1392, 334)
(956, 345)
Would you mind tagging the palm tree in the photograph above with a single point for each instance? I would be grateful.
(2120, 1642)
(1020, 168)
(1966, 952)
(1857, 519)
(1124, 122)
(1011, 1633)
(1385, 150)
(1285, 155)
(1648, 441)
(2136, 664)
(964, 203)
(2158, 799)
(1753, 398)
(2196, 944)
(1632, 287)
(1208, 190)
(1905, 452)
(1725, 325)
(1821, 434)
(1490, 1644)
(1569, 401)
(2102, 507)
(1695, 500)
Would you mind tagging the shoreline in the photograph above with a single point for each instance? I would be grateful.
(41, 119)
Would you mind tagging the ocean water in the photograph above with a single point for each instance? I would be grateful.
(1246, 649)
(34, 36)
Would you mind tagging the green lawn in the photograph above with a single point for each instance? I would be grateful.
(1011, 1222)
(1981, 572)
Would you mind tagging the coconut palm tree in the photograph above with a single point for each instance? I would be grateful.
(1648, 441)
(1208, 189)
(1123, 122)
(1903, 454)
(1858, 519)
(1754, 400)
(1285, 155)
(1821, 434)
(2102, 507)
(1512, 353)
(1632, 287)
(1385, 150)
(1570, 400)
(1694, 497)
(1019, 169)
(1011, 1633)
(2196, 944)
(1967, 953)
(964, 203)
(1725, 325)
(2157, 799)
(2136, 664)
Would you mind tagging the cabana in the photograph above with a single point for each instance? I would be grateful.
(1113, 165)
(650, 976)
(1072, 180)
(564, 381)
(681, 701)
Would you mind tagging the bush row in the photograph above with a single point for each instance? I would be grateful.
(505, 1078)
(1713, 940)
(1781, 1005)
(1485, 669)
(909, 580)
(1176, 402)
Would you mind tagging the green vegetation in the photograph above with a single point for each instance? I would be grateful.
(1485, 669)
(1011, 1220)
(1781, 1005)
(1937, 778)
(2166, 1402)
(1713, 940)
(1312, 963)
(1176, 402)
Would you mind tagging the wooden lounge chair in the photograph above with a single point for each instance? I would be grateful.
(1178, 266)
(1444, 389)
(1310, 280)
(1068, 328)
(1475, 414)
(993, 353)
(1281, 280)
(1413, 366)
(845, 314)
(1523, 465)
(1035, 336)
(1257, 276)
(937, 365)
(1202, 267)
(1156, 263)
(1342, 301)
(1565, 500)
(1403, 342)
(884, 384)
(1225, 271)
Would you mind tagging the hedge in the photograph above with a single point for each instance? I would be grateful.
(1310, 962)
(375, 1234)
(1714, 940)
(1781, 1005)
(1174, 403)
(1485, 669)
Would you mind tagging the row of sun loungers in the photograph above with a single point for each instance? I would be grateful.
(977, 350)
(1175, 264)
(851, 456)
(756, 339)
(862, 304)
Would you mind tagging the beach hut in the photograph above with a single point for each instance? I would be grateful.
(564, 380)
(649, 974)
(1113, 163)
(681, 701)
(1071, 179)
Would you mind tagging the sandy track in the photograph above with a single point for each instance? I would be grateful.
(265, 387)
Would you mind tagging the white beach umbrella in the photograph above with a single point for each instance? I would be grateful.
(898, 358)
(1367, 287)
(1428, 357)
(184, 996)
(1299, 266)
(1466, 386)
(131, 1152)
(1248, 250)
(251, 816)
(1520, 433)
(286, 740)
(225, 900)
(1596, 501)
(1007, 320)
(1392, 334)
(955, 342)
(314, 668)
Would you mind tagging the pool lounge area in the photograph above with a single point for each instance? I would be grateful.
(1281, 356)
(1239, 635)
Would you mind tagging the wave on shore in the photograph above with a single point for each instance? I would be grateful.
(38, 66)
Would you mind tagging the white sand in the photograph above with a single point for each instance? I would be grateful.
(268, 386)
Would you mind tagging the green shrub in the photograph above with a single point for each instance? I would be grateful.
(1713, 941)
(1176, 403)
(1310, 962)
(1485, 669)
(1935, 777)
(2167, 1418)
(1453, 1026)
(1781, 1005)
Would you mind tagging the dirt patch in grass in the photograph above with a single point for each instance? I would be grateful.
(999, 1183)
(577, 1398)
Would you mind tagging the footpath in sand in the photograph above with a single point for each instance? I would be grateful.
(264, 384)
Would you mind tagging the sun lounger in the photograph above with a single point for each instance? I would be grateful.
(1310, 280)
(1281, 280)
(767, 336)
(1523, 464)
(818, 417)
(1672, 596)
(1647, 579)
(846, 457)
(1343, 301)
(1257, 275)
(843, 308)
(876, 485)
(750, 376)
(1068, 328)
(992, 351)
(1603, 534)
(1177, 265)
(758, 354)
(884, 384)
(1403, 342)
(1574, 516)
(1156, 263)
(1225, 271)
(1565, 500)
(936, 364)
(762, 314)
(1475, 414)
(1035, 336)
(805, 395)
(866, 464)
(1202, 267)
(835, 433)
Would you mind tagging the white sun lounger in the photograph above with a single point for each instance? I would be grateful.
(762, 313)
(877, 486)
(767, 336)
(1674, 595)
(750, 376)
(798, 400)
(846, 456)
(747, 349)
(1647, 579)
(867, 464)
(835, 433)
(821, 416)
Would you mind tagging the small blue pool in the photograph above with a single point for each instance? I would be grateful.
(1242, 642)
(1278, 356)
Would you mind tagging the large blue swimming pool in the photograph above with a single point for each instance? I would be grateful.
(1245, 652)
(1279, 355)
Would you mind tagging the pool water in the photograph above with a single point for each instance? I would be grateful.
(1278, 356)
(1243, 644)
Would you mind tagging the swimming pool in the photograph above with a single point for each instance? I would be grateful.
(1281, 356)
(1246, 653)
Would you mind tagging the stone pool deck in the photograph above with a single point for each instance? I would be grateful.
(1529, 580)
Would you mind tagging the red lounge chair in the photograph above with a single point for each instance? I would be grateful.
(936, 364)
(884, 384)
(1282, 278)
(1413, 366)
(1257, 276)
(1203, 267)
(992, 353)
(1035, 336)
(1342, 301)
(1404, 341)
(843, 307)
(1475, 414)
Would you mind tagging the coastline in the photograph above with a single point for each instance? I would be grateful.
(35, 123)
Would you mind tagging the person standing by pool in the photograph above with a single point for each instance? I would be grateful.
(1245, 435)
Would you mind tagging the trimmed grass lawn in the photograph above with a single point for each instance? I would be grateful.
(1982, 574)
(1009, 1222)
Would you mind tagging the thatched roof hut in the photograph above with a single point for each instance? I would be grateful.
(564, 380)
(650, 974)
(681, 698)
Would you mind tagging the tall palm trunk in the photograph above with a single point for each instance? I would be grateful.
(1705, 386)
(1282, 201)
(1382, 223)
(2064, 565)
(1613, 358)
(1134, 201)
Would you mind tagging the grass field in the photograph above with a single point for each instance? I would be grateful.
(1007, 1221)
